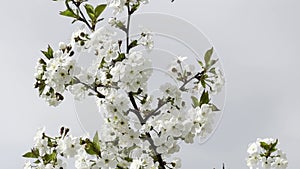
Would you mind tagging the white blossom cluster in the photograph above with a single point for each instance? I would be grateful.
(211, 77)
(264, 153)
(55, 74)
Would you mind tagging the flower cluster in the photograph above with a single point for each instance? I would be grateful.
(140, 130)
(264, 153)
(55, 74)
(210, 78)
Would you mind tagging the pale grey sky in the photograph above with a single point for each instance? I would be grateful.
(257, 42)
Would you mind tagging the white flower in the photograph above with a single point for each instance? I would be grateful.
(117, 5)
(266, 162)
(82, 161)
(130, 139)
(280, 163)
(252, 149)
(39, 134)
(62, 45)
(41, 143)
(27, 165)
(163, 143)
(177, 163)
(136, 163)
(111, 53)
(252, 161)
(107, 161)
(218, 82)
(61, 164)
(174, 128)
(118, 72)
(146, 40)
(79, 91)
(181, 58)
(170, 90)
(68, 146)
(79, 40)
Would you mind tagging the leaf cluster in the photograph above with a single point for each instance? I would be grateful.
(77, 14)
(92, 147)
(269, 148)
(204, 99)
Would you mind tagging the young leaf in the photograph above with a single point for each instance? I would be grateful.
(49, 53)
(212, 62)
(214, 107)
(96, 142)
(273, 146)
(204, 99)
(68, 13)
(90, 11)
(202, 81)
(195, 101)
(208, 55)
(41, 88)
(50, 157)
(133, 44)
(134, 8)
(200, 63)
(264, 146)
(99, 9)
(30, 155)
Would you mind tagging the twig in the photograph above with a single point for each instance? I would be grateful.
(99, 95)
(82, 17)
(197, 76)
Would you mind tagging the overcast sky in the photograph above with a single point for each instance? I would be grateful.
(258, 45)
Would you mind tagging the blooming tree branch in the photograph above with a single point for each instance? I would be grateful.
(140, 130)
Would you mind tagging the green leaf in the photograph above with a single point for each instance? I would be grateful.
(69, 13)
(208, 55)
(50, 157)
(99, 9)
(204, 99)
(93, 148)
(195, 101)
(90, 11)
(214, 107)
(33, 154)
(200, 63)
(37, 162)
(212, 70)
(134, 8)
(133, 44)
(48, 53)
(202, 81)
(41, 61)
(212, 62)
(264, 146)
(273, 146)
(121, 57)
(96, 142)
(30, 155)
(41, 88)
